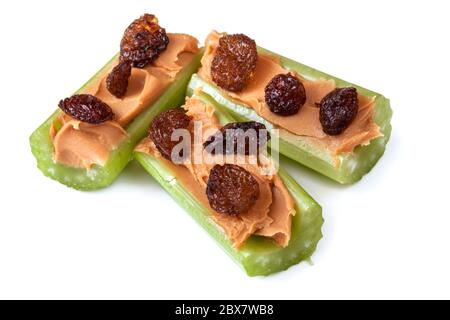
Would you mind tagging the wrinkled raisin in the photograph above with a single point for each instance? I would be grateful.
(163, 126)
(143, 41)
(230, 137)
(234, 62)
(338, 109)
(231, 189)
(86, 108)
(285, 94)
(117, 80)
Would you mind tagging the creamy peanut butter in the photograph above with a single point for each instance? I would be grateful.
(306, 122)
(81, 145)
(272, 213)
(75, 145)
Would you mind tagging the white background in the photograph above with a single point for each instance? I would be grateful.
(388, 236)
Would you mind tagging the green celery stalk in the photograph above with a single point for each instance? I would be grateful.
(258, 255)
(353, 166)
(101, 176)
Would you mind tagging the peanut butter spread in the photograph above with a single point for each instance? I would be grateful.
(272, 213)
(82, 145)
(306, 122)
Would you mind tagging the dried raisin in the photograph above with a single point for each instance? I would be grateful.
(143, 41)
(338, 109)
(163, 126)
(285, 94)
(253, 134)
(86, 108)
(231, 189)
(234, 62)
(117, 80)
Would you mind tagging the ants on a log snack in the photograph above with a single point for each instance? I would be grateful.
(259, 215)
(322, 122)
(89, 140)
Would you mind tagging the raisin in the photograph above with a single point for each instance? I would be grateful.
(143, 41)
(163, 126)
(117, 80)
(231, 189)
(338, 109)
(228, 137)
(86, 108)
(234, 62)
(285, 94)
